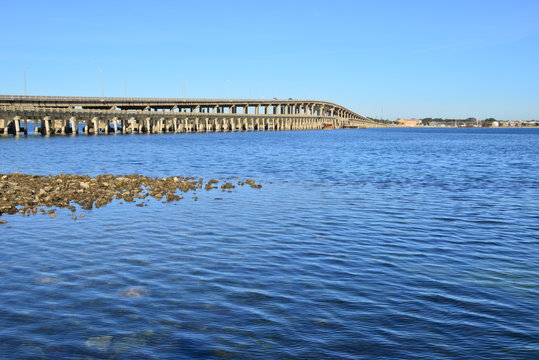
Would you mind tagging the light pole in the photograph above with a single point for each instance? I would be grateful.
(25, 83)
(182, 86)
(229, 88)
(125, 85)
(102, 81)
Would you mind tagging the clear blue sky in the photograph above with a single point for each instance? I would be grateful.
(412, 58)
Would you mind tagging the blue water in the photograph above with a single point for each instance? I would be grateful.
(362, 244)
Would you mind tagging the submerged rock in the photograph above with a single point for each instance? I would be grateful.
(134, 292)
(100, 343)
(45, 280)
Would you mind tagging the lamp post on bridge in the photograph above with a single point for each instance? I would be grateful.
(101, 81)
(229, 88)
(25, 82)
(182, 86)
(125, 85)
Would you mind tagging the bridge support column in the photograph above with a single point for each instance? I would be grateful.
(115, 125)
(148, 126)
(95, 121)
(25, 126)
(17, 124)
(47, 120)
(63, 126)
(74, 125)
(4, 127)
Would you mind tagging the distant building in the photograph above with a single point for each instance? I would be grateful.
(409, 122)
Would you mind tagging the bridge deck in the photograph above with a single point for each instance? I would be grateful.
(62, 115)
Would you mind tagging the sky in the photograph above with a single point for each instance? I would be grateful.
(383, 59)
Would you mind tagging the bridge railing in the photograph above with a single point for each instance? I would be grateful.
(63, 110)
(74, 111)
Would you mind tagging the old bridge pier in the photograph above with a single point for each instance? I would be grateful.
(74, 115)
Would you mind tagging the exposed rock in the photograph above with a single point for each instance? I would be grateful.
(227, 186)
(28, 194)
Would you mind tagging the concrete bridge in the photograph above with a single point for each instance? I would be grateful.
(95, 115)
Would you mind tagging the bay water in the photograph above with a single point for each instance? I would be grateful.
(361, 244)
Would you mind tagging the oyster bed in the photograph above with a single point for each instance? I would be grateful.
(29, 194)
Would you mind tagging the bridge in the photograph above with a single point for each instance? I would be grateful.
(105, 115)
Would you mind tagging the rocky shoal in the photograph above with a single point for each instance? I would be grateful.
(29, 194)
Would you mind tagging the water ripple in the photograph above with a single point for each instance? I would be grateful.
(375, 244)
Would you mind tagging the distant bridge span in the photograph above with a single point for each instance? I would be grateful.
(95, 115)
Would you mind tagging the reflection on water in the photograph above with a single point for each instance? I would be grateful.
(375, 244)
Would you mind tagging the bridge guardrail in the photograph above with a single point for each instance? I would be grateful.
(168, 114)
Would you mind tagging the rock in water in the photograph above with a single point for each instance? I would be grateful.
(134, 292)
(100, 343)
(45, 280)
